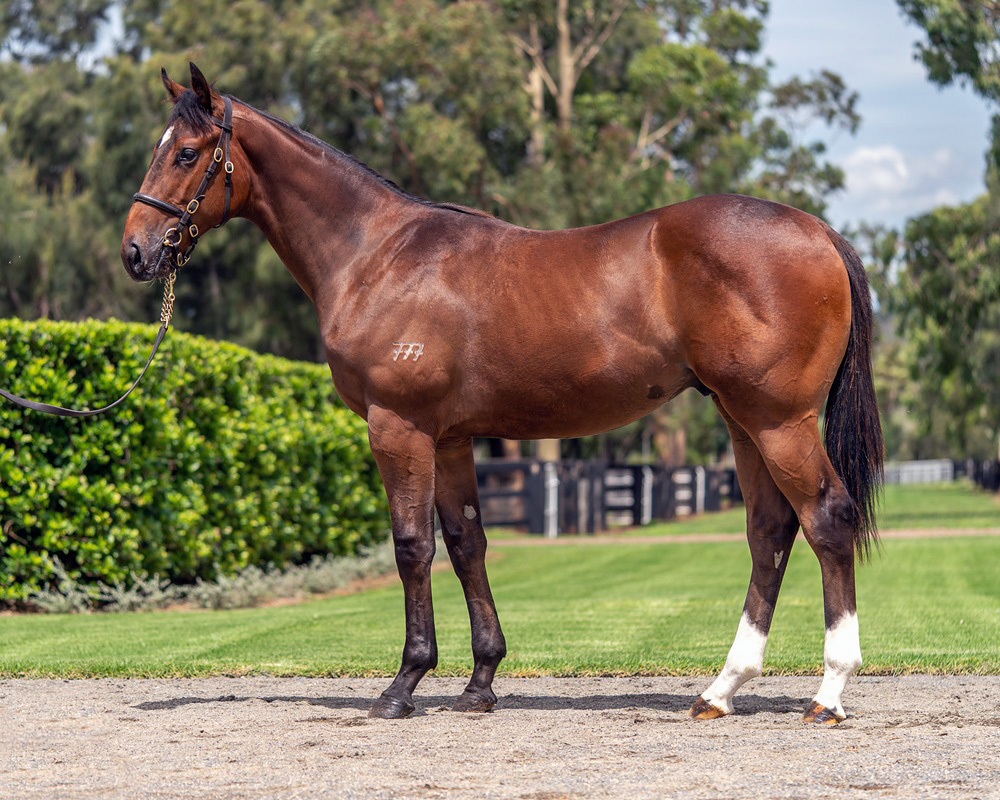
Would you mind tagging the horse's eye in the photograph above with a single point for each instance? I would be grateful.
(187, 155)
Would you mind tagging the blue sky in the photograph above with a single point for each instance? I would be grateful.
(918, 146)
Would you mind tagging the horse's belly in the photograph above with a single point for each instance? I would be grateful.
(555, 406)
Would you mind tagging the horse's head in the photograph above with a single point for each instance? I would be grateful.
(189, 186)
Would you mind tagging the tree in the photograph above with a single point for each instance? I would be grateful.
(961, 43)
(946, 295)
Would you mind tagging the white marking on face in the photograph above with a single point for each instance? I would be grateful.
(745, 661)
(777, 558)
(166, 136)
(470, 512)
(407, 349)
(841, 659)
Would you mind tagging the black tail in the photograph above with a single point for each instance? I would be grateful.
(852, 429)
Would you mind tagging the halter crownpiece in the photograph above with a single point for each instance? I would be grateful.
(220, 156)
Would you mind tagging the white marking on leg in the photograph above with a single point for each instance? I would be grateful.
(841, 659)
(166, 136)
(470, 512)
(745, 661)
(777, 558)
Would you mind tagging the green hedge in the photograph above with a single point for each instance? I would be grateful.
(222, 458)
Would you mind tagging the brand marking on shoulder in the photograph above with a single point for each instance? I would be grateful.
(407, 349)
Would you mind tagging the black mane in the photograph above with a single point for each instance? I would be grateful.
(189, 109)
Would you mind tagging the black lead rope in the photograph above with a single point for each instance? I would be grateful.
(59, 411)
(184, 224)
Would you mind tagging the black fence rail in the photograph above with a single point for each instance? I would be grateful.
(588, 496)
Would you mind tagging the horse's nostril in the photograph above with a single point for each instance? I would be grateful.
(135, 256)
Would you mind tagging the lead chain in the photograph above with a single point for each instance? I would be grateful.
(167, 312)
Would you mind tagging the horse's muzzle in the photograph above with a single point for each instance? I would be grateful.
(138, 263)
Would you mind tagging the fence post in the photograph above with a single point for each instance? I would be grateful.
(599, 520)
(699, 490)
(534, 498)
(647, 496)
(551, 522)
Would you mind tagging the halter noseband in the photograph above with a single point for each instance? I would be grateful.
(185, 214)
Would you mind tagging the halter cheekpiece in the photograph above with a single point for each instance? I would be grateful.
(172, 238)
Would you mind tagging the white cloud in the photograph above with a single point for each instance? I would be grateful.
(876, 170)
(919, 146)
(884, 182)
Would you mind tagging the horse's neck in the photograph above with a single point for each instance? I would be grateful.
(321, 213)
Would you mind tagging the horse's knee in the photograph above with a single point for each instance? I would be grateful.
(488, 644)
(413, 549)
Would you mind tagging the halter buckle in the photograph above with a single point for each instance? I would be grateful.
(193, 230)
(229, 167)
(218, 155)
(193, 206)
(166, 237)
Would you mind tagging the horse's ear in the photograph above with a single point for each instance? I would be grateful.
(206, 94)
(174, 89)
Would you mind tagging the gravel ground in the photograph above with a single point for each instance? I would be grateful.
(549, 739)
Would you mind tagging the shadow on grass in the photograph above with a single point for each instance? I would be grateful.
(745, 704)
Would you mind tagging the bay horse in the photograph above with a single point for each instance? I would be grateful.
(441, 323)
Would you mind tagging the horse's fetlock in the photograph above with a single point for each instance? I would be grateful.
(420, 658)
(745, 670)
(489, 651)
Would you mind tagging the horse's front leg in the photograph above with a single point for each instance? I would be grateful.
(457, 496)
(405, 458)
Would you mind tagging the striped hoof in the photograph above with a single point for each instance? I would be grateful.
(702, 709)
(822, 715)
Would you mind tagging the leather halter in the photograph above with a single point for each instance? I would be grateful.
(220, 156)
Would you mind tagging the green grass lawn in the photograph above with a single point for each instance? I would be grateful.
(926, 605)
(941, 505)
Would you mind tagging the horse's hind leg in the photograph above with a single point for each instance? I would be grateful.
(771, 528)
(457, 497)
(405, 458)
(795, 457)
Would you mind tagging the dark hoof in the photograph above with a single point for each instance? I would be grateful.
(702, 709)
(822, 715)
(391, 708)
(472, 701)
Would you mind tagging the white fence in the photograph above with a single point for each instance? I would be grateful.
(937, 470)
